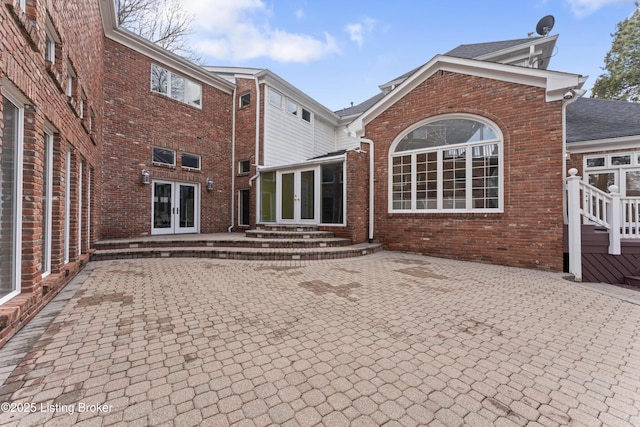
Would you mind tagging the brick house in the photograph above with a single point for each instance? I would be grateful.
(107, 136)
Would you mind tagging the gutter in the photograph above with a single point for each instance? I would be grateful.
(571, 96)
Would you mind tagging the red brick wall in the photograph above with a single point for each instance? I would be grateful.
(529, 232)
(246, 146)
(136, 120)
(23, 69)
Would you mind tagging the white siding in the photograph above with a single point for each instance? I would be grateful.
(324, 138)
(344, 141)
(288, 139)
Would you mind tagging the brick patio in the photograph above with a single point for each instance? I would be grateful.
(390, 338)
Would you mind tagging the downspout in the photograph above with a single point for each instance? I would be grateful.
(371, 162)
(233, 161)
(570, 97)
(257, 155)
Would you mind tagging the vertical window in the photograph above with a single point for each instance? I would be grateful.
(159, 79)
(67, 207)
(292, 107)
(268, 197)
(71, 81)
(47, 191)
(79, 219)
(51, 39)
(275, 98)
(243, 207)
(449, 164)
(306, 115)
(83, 104)
(332, 194)
(245, 99)
(10, 202)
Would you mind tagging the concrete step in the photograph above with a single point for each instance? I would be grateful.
(221, 240)
(288, 234)
(239, 253)
(632, 280)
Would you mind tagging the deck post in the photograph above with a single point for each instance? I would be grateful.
(615, 221)
(574, 227)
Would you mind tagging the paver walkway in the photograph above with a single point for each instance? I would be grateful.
(390, 338)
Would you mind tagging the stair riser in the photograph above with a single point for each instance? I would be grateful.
(277, 234)
(235, 256)
(292, 228)
(311, 243)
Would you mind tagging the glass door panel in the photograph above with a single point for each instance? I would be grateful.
(268, 197)
(175, 208)
(162, 208)
(307, 195)
(288, 196)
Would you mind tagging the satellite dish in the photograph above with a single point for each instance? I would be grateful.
(545, 25)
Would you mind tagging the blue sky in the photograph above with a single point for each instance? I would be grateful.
(340, 51)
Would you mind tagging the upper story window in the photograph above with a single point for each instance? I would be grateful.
(245, 99)
(306, 115)
(51, 39)
(190, 161)
(447, 164)
(175, 86)
(275, 98)
(164, 156)
(292, 107)
(244, 166)
(71, 80)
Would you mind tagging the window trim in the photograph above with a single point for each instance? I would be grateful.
(305, 110)
(241, 170)
(440, 149)
(244, 100)
(153, 161)
(272, 91)
(187, 82)
(17, 191)
(51, 40)
(292, 107)
(47, 175)
(196, 156)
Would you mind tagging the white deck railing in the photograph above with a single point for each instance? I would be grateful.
(619, 215)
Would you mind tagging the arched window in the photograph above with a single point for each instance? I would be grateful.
(447, 164)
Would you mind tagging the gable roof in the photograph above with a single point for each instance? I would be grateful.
(590, 119)
(475, 50)
(555, 83)
(505, 52)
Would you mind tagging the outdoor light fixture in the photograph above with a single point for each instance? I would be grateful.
(209, 183)
(146, 179)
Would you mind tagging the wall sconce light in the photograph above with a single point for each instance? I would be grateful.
(209, 184)
(567, 155)
(144, 176)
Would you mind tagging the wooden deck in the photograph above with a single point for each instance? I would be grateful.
(599, 266)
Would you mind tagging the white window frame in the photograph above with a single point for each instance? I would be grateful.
(48, 194)
(292, 107)
(51, 40)
(23, 5)
(440, 150)
(305, 110)
(80, 168)
(275, 95)
(67, 206)
(241, 170)
(244, 100)
(17, 191)
(189, 167)
(188, 85)
(163, 163)
(619, 171)
(71, 79)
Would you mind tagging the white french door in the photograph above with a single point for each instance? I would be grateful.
(175, 207)
(297, 196)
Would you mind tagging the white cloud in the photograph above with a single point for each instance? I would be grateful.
(585, 7)
(240, 30)
(358, 30)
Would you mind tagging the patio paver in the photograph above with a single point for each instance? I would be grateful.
(389, 338)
